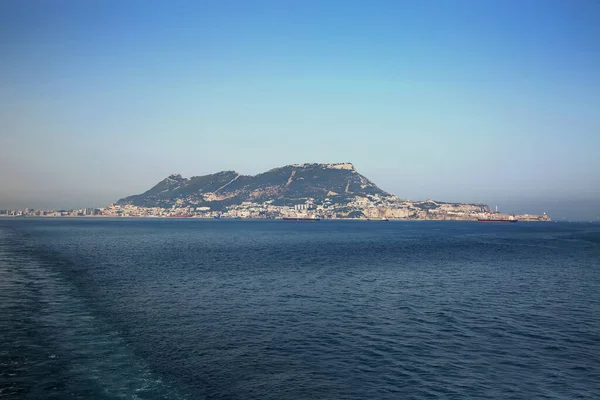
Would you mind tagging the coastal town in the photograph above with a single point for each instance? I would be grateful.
(372, 207)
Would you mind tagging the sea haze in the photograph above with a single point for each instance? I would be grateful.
(200, 309)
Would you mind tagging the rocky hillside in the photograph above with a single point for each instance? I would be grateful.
(291, 184)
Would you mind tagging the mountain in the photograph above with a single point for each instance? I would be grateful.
(288, 185)
(330, 191)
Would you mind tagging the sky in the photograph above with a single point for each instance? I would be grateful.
(469, 101)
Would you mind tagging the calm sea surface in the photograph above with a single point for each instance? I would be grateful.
(190, 309)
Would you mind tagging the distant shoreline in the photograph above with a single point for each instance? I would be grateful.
(241, 219)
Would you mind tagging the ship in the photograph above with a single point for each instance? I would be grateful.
(496, 220)
(301, 218)
(378, 219)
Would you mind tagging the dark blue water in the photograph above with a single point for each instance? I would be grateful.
(164, 309)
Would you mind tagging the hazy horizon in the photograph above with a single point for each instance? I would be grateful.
(458, 101)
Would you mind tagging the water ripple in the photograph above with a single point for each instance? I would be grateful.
(268, 310)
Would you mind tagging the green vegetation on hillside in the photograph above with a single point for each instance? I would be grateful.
(288, 185)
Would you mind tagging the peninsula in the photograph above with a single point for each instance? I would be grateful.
(326, 191)
(313, 191)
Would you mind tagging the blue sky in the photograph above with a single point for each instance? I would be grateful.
(475, 101)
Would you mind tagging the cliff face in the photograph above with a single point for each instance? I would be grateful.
(285, 185)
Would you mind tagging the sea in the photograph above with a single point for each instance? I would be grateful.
(235, 309)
